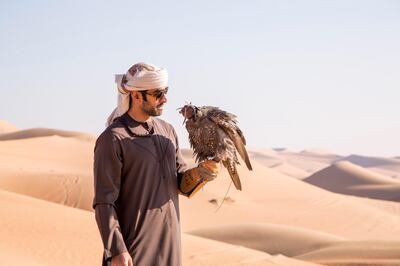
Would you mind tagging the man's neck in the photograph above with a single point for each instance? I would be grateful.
(138, 115)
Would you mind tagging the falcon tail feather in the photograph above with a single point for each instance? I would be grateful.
(230, 166)
(243, 153)
(239, 145)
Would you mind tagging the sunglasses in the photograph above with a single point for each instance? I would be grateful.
(158, 93)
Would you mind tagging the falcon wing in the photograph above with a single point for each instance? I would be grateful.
(228, 122)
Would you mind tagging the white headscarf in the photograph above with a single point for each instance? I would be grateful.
(146, 77)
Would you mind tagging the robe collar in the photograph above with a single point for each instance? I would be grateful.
(139, 129)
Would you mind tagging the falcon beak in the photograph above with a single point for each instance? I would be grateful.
(184, 114)
(180, 111)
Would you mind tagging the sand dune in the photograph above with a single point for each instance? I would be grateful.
(202, 251)
(356, 253)
(267, 157)
(347, 178)
(271, 158)
(319, 152)
(309, 161)
(271, 153)
(37, 232)
(6, 127)
(306, 244)
(392, 173)
(54, 168)
(299, 165)
(265, 192)
(44, 132)
(385, 166)
(271, 197)
(290, 170)
(297, 217)
(367, 161)
(271, 238)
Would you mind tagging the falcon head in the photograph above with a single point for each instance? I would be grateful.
(189, 111)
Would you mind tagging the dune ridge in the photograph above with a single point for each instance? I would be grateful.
(356, 253)
(299, 165)
(369, 161)
(347, 178)
(385, 166)
(203, 251)
(45, 132)
(271, 238)
(305, 245)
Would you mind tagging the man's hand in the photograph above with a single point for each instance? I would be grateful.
(195, 178)
(123, 259)
(209, 169)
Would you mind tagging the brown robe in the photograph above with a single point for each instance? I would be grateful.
(136, 191)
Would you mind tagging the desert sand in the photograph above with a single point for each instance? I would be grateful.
(46, 189)
(351, 179)
(386, 166)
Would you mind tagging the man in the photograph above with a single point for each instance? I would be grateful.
(138, 173)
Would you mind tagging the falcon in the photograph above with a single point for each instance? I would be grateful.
(214, 135)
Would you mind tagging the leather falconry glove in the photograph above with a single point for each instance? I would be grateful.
(194, 179)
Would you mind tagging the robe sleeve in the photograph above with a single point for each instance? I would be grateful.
(107, 179)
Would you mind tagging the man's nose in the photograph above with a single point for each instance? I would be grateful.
(163, 99)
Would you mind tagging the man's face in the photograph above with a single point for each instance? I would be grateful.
(155, 101)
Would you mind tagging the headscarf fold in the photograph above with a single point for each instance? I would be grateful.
(139, 77)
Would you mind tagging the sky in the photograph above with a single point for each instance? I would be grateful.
(298, 74)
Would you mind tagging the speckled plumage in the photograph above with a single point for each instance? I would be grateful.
(214, 134)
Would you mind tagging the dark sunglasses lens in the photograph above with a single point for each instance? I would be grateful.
(160, 94)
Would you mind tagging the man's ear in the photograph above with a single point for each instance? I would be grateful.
(140, 95)
(135, 95)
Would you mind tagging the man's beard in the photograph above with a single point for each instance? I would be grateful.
(152, 110)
